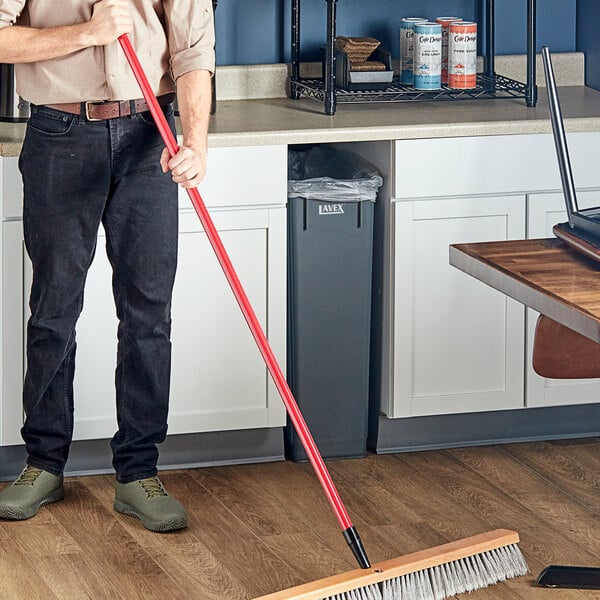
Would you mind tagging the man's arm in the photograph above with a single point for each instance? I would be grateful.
(110, 19)
(188, 166)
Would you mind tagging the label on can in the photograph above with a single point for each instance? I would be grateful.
(406, 48)
(445, 23)
(427, 67)
(462, 55)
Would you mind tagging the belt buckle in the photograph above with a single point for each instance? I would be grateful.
(87, 110)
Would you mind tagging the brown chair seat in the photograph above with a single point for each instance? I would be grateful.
(561, 353)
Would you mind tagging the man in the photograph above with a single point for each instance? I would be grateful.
(92, 155)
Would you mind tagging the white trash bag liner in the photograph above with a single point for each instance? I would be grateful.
(329, 175)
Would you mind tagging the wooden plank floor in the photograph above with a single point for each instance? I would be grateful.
(255, 529)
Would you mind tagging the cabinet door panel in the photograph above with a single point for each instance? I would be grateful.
(545, 210)
(219, 380)
(215, 364)
(13, 254)
(12, 188)
(458, 344)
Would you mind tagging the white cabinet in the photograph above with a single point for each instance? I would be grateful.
(545, 210)
(219, 380)
(458, 346)
(446, 342)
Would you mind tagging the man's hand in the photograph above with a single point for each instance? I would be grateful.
(110, 19)
(187, 167)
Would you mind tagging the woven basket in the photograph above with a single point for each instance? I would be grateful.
(367, 65)
(358, 49)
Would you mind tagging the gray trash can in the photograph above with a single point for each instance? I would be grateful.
(331, 197)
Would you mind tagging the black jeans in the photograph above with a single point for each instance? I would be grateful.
(78, 174)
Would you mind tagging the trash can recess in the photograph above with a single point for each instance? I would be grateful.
(331, 197)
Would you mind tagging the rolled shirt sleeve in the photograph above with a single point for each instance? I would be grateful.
(191, 35)
(10, 10)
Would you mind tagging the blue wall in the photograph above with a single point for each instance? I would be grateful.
(588, 19)
(258, 31)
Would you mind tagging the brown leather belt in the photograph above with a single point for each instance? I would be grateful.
(109, 109)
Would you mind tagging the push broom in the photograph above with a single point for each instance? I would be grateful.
(432, 574)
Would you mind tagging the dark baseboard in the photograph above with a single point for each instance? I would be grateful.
(385, 436)
(92, 457)
(479, 429)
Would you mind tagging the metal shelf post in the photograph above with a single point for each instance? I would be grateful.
(531, 90)
(330, 91)
(490, 39)
(295, 74)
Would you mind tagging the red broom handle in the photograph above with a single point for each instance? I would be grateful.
(265, 349)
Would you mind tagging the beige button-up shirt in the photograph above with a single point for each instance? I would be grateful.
(171, 37)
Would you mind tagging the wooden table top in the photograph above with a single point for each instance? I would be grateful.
(545, 275)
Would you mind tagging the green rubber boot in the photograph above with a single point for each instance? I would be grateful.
(32, 489)
(148, 501)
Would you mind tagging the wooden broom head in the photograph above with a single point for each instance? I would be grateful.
(397, 567)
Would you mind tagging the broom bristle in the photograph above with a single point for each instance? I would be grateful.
(434, 574)
(447, 580)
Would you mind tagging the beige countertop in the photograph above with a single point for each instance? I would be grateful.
(283, 121)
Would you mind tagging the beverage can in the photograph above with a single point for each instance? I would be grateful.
(427, 63)
(445, 23)
(462, 55)
(406, 48)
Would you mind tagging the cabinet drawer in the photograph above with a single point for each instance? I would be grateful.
(242, 176)
(245, 176)
(12, 188)
(490, 165)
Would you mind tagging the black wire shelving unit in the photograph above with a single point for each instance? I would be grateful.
(489, 83)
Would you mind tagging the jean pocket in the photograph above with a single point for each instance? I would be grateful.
(50, 123)
(147, 118)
